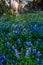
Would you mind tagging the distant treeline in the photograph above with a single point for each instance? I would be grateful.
(36, 4)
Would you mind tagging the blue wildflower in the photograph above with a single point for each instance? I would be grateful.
(40, 30)
(0, 38)
(13, 26)
(42, 62)
(35, 28)
(8, 35)
(8, 26)
(6, 39)
(27, 43)
(15, 32)
(3, 34)
(12, 49)
(38, 54)
(28, 52)
(1, 58)
(17, 53)
(30, 44)
(4, 56)
(34, 51)
(14, 61)
(7, 44)
(37, 60)
(19, 41)
(3, 63)
(38, 42)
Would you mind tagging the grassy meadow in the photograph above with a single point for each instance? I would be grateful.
(21, 39)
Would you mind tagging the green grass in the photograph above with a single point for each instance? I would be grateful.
(23, 18)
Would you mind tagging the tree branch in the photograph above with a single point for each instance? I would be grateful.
(7, 3)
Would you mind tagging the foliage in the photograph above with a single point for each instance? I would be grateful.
(4, 10)
(21, 41)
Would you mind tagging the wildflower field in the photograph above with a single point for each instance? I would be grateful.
(21, 40)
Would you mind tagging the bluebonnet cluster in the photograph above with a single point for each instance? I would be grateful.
(19, 42)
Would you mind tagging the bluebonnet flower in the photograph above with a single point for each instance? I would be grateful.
(15, 32)
(8, 26)
(37, 43)
(19, 41)
(3, 34)
(12, 49)
(8, 35)
(38, 54)
(27, 28)
(37, 60)
(17, 53)
(7, 44)
(4, 57)
(28, 52)
(16, 26)
(3, 63)
(31, 27)
(30, 44)
(0, 38)
(42, 62)
(1, 58)
(14, 61)
(42, 35)
(35, 28)
(39, 40)
(40, 30)
(6, 39)
(13, 26)
(38, 23)
(16, 46)
(25, 31)
(42, 23)
(27, 43)
(34, 51)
